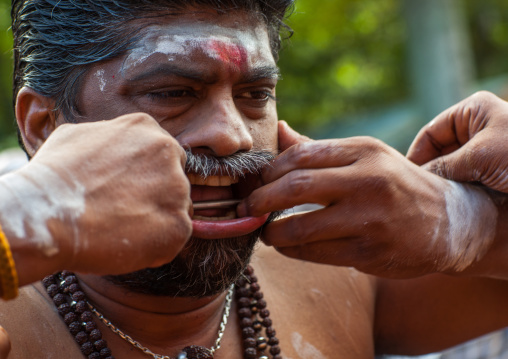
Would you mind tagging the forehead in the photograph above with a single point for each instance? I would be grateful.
(236, 39)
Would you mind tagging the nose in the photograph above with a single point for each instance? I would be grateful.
(218, 129)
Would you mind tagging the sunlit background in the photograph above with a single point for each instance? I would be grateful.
(386, 67)
(366, 67)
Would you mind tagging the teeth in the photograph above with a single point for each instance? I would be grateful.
(213, 181)
(229, 215)
(227, 181)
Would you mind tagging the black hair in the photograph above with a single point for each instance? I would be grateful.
(56, 40)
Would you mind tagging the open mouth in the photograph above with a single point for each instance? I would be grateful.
(215, 197)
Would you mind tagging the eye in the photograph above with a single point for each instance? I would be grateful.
(166, 102)
(170, 94)
(258, 95)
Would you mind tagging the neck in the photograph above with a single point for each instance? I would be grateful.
(158, 322)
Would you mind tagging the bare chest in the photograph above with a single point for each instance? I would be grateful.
(317, 312)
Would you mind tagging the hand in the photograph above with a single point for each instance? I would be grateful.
(467, 142)
(107, 197)
(5, 344)
(382, 214)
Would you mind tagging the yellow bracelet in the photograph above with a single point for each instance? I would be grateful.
(8, 274)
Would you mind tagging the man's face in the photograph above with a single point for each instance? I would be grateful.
(209, 80)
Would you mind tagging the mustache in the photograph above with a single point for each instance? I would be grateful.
(235, 165)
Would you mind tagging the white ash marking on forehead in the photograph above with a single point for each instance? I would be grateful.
(183, 41)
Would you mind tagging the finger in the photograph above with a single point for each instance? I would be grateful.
(183, 157)
(347, 253)
(454, 166)
(289, 137)
(5, 344)
(435, 139)
(315, 226)
(319, 186)
(483, 159)
(335, 240)
(455, 126)
(332, 252)
(315, 154)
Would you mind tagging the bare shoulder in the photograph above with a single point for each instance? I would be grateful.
(34, 326)
(325, 310)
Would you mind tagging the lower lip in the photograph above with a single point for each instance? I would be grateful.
(228, 228)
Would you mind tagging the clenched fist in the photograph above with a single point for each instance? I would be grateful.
(106, 197)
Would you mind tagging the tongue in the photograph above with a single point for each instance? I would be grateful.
(228, 228)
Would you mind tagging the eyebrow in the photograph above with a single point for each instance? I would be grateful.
(261, 73)
(253, 75)
(172, 70)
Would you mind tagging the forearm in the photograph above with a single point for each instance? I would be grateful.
(30, 214)
(494, 263)
(437, 311)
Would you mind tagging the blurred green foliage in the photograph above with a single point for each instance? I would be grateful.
(345, 57)
(7, 123)
(488, 24)
(348, 57)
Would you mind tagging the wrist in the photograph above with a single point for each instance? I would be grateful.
(494, 263)
(472, 221)
(34, 220)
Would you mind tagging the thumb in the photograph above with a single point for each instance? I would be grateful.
(483, 160)
(5, 344)
(454, 166)
(426, 147)
(289, 137)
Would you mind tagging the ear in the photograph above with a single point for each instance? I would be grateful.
(36, 118)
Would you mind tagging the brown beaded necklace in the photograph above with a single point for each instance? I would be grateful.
(72, 305)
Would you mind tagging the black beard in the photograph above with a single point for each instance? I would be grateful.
(203, 268)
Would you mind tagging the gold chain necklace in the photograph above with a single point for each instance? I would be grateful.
(181, 355)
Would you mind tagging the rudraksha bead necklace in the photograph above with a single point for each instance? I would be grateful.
(78, 314)
(254, 317)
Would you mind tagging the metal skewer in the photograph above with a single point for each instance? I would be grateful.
(215, 204)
